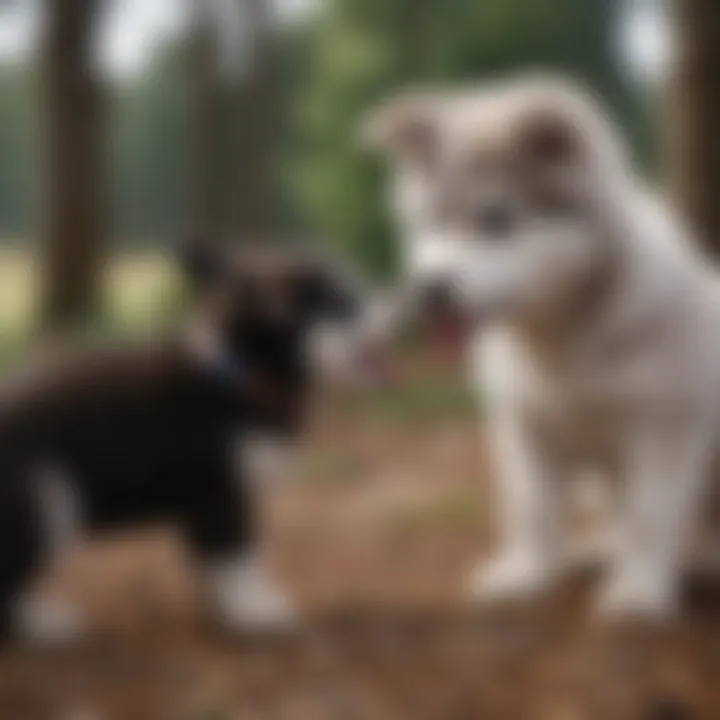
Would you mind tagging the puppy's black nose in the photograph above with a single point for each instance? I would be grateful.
(437, 296)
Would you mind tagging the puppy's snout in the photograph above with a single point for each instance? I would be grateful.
(437, 296)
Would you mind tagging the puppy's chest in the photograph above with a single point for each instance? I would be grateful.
(579, 418)
(571, 405)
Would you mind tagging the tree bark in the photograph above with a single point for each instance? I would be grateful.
(693, 141)
(75, 156)
(204, 127)
(256, 180)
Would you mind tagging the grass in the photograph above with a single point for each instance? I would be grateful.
(143, 289)
(18, 283)
(142, 293)
(330, 468)
(455, 510)
(420, 400)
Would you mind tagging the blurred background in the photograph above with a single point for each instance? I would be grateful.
(128, 125)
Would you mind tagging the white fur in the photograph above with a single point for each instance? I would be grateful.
(339, 351)
(247, 598)
(653, 413)
(47, 620)
(60, 508)
(632, 392)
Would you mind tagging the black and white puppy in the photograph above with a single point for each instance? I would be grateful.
(119, 436)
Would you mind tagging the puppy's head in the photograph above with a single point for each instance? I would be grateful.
(261, 310)
(499, 191)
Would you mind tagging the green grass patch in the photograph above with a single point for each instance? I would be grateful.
(143, 294)
(426, 399)
(456, 510)
(329, 467)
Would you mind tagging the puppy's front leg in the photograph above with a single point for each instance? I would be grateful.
(57, 510)
(528, 498)
(222, 531)
(668, 464)
(246, 597)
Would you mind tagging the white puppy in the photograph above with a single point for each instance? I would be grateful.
(598, 322)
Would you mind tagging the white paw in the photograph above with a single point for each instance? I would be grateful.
(249, 601)
(49, 622)
(509, 576)
(636, 595)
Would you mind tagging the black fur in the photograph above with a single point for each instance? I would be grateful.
(148, 433)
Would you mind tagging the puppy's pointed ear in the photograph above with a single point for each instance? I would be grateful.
(201, 261)
(405, 128)
(550, 138)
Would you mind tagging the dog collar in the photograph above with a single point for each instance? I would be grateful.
(236, 375)
(233, 372)
(228, 371)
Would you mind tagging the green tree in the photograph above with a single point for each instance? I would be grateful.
(18, 150)
(151, 150)
(73, 115)
(204, 96)
(362, 50)
(692, 147)
(256, 187)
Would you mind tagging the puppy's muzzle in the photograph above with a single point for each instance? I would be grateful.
(437, 297)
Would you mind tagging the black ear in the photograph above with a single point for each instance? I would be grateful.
(201, 261)
(331, 292)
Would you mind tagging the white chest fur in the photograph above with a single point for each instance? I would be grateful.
(576, 409)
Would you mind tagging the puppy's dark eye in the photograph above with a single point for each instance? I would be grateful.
(495, 220)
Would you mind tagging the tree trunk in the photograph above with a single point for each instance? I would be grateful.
(693, 141)
(256, 182)
(74, 166)
(204, 126)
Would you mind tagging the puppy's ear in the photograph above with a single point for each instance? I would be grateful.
(201, 261)
(550, 138)
(329, 292)
(405, 128)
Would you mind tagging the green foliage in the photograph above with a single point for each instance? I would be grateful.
(18, 147)
(425, 399)
(329, 468)
(363, 50)
(455, 510)
(150, 144)
(333, 68)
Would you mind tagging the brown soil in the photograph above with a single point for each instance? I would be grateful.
(373, 535)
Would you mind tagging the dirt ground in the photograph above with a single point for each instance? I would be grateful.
(373, 535)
